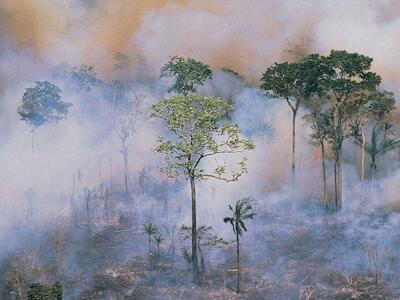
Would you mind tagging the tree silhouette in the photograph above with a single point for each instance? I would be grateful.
(158, 239)
(200, 130)
(42, 104)
(187, 72)
(150, 229)
(240, 212)
(294, 82)
(379, 144)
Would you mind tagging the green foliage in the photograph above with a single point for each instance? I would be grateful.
(279, 79)
(350, 84)
(240, 212)
(349, 73)
(41, 104)
(83, 79)
(39, 291)
(373, 107)
(200, 130)
(379, 143)
(295, 81)
(342, 92)
(379, 103)
(57, 291)
(151, 230)
(187, 72)
(319, 123)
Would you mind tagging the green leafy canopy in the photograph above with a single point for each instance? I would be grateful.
(42, 103)
(188, 73)
(294, 82)
(199, 129)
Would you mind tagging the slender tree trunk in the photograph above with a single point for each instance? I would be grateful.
(87, 192)
(340, 181)
(125, 155)
(166, 210)
(20, 294)
(373, 169)
(33, 140)
(293, 167)
(32, 178)
(202, 265)
(237, 260)
(111, 174)
(362, 157)
(72, 207)
(102, 195)
(323, 163)
(335, 171)
(107, 204)
(149, 244)
(194, 229)
(100, 181)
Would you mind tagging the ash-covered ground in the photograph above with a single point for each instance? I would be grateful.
(293, 250)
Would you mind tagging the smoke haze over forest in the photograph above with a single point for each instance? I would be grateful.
(130, 41)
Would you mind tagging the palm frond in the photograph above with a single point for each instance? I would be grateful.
(150, 229)
(227, 219)
(388, 145)
(158, 239)
(241, 212)
(248, 216)
(243, 225)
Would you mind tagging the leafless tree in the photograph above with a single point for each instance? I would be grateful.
(124, 113)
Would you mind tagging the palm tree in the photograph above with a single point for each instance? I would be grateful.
(150, 229)
(240, 212)
(158, 239)
(378, 147)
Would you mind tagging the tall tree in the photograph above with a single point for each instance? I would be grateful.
(188, 74)
(240, 212)
(347, 76)
(42, 104)
(374, 108)
(124, 110)
(379, 145)
(199, 130)
(319, 122)
(294, 82)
